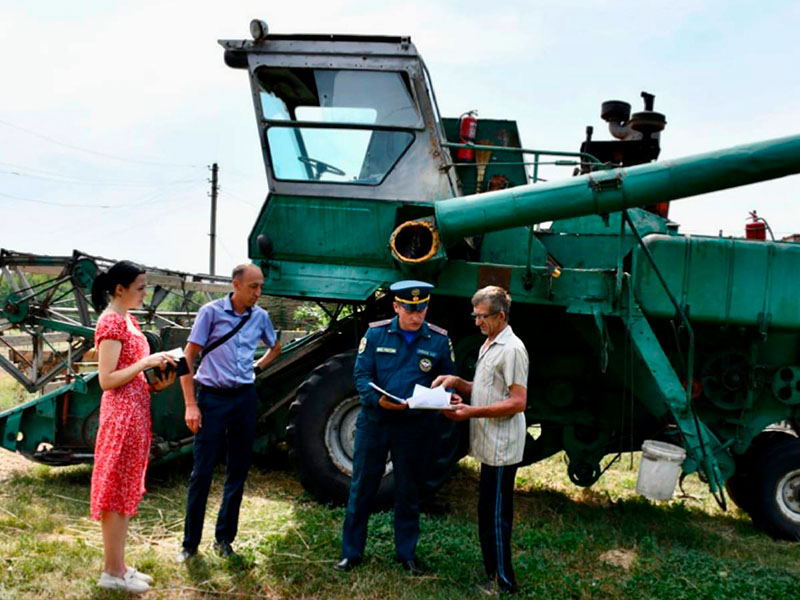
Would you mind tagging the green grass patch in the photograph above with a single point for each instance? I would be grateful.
(569, 543)
(11, 392)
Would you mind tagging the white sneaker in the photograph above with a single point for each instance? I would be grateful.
(139, 575)
(127, 583)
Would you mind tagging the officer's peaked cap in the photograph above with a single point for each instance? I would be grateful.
(412, 295)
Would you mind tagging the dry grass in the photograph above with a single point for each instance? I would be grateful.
(11, 392)
(603, 542)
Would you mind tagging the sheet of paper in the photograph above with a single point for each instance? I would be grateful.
(387, 394)
(436, 399)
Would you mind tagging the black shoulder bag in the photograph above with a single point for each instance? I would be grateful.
(217, 343)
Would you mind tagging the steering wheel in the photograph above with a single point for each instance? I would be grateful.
(320, 167)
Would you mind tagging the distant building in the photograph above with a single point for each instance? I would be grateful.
(795, 237)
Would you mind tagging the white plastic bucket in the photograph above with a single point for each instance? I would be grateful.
(659, 469)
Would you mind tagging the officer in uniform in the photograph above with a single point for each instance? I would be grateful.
(395, 354)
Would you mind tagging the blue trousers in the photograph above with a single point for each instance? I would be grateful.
(375, 438)
(229, 418)
(495, 517)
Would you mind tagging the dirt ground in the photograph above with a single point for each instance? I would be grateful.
(11, 463)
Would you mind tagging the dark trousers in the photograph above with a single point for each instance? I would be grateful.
(495, 517)
(375, 438)
(229, 418)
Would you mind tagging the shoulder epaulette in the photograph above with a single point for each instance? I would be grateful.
(379, 323)
(437, 329)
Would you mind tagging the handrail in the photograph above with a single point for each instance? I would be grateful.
(585, 157)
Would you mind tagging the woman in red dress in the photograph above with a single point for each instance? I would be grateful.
(123, 436)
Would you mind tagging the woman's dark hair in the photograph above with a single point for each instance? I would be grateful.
(122, 273)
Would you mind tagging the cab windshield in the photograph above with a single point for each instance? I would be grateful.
(342, 126)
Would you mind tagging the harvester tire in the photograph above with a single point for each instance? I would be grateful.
(776, 506)
(321, 434)
(741, 488)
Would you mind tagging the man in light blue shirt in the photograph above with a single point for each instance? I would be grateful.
(223, 408)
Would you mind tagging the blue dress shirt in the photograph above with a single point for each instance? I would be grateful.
(231, 364)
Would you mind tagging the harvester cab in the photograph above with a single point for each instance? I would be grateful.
(352, 146)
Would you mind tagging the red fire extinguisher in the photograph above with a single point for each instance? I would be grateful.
(467, 130)
(756, 229)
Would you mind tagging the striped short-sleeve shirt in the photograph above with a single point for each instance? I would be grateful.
(499, 441)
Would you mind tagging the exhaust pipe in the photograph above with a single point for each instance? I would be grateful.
(414, 242)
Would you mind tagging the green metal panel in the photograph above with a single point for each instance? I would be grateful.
(11, 429)
(645, 221)
(491, 132)
(34, 419)
(327, 230)
(593, 242)
(574, 287)
(510, 247)
(328, 281)
(582, 251)
(722, 280)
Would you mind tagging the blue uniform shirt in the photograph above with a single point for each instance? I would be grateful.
(386, 358)
(231, 364)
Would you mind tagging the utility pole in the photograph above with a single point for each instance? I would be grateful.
(213, 235)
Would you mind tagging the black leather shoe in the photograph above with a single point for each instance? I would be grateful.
(347, 564)
(185, 554)
(414, 567)
(224, 549)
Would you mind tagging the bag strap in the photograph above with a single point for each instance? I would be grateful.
(217, 343)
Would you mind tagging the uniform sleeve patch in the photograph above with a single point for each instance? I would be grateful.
(380, 323)
(452, 352)
(363, 345)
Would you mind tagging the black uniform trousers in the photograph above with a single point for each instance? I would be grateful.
(495, 517)
(228, 416)
(376, 436)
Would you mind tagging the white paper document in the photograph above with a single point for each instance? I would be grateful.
(423, 397)
(387, 394)
(437, 398)
(176, 353)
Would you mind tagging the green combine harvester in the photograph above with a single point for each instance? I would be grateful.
(635, 331)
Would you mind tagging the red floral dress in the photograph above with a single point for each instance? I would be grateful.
(123, 436)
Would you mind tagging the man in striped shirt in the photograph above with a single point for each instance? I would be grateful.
(497, 428)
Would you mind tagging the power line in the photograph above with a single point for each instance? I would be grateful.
(79, 181)
(134, 203)
(228, 252)
(95, 152)
(149, 220)
(146, 200)
(20, 198)
(38, 171)
(241, 174)
(237, 197)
